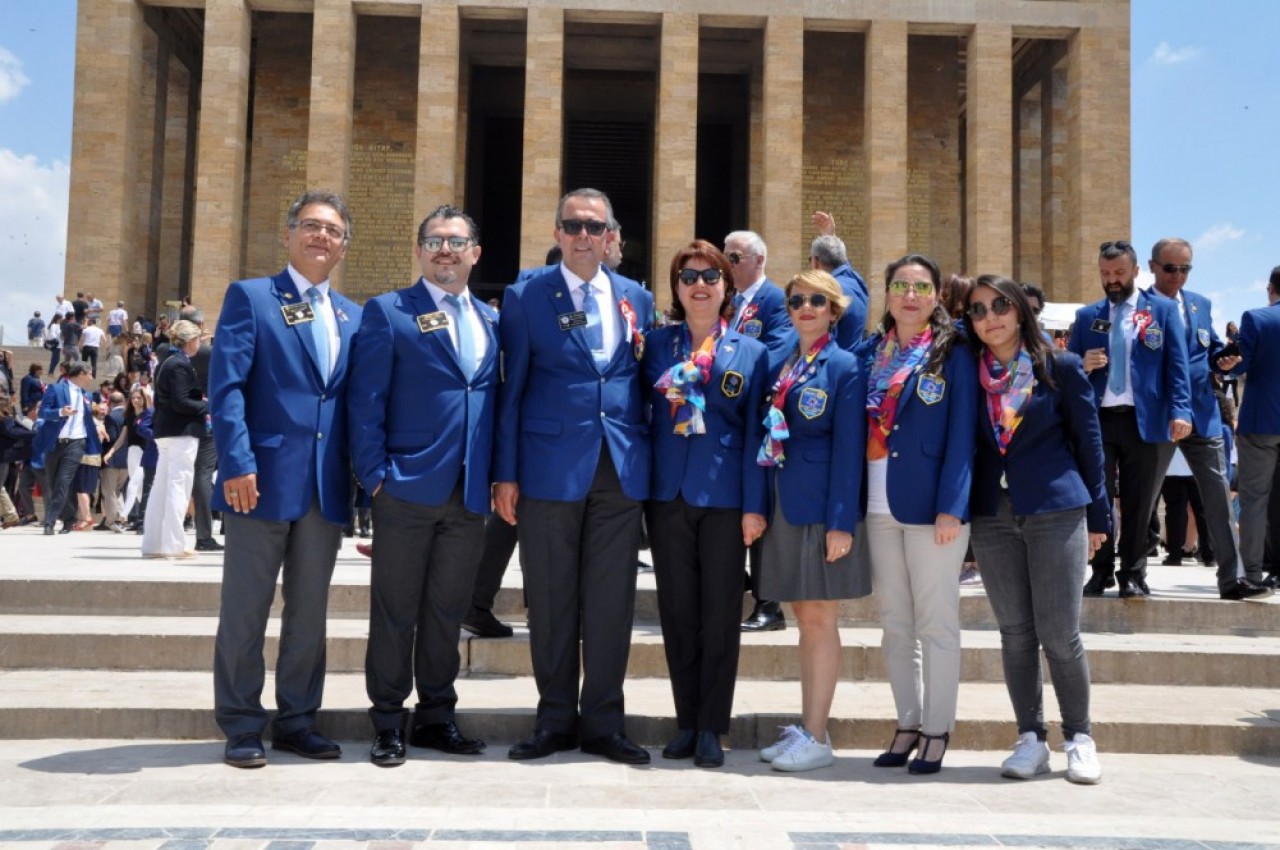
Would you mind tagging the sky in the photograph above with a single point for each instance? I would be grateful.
(1205, 111)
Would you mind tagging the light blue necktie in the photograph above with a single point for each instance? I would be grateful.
(738, 300)
(319, 329)
(1118, 371)
(466, 340)
(594, 330)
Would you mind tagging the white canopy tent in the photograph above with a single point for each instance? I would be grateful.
(1058, 315)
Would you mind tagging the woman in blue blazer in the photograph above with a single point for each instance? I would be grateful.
(1040, 511)
(707, 493)
(814, 445)
(920, 406)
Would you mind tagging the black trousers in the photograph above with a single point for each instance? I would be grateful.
(202, 488)
(499, 545)
(1136, 469)
(1178, 492)
(61, 463)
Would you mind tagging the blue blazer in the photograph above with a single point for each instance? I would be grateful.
(1158, 366)
(717, 469)
(852, 326)
(416, 422)
(555, 405)
(1260, 349)
(51, 420)
(273, 414)
(931, 446)
(1055, 459)
(820, 478)
(1203, 345)
(770, 324)
(32, 390)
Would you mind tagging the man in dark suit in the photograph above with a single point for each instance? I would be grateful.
(277, 392)
(422, 404)
(1134, 349)
(1203, 447)
(66, 434)
(206, 454)
(572, 461)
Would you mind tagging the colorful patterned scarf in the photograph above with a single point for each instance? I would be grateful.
(892, 367)
(775, 422)
(1008, 391)
(683, 383)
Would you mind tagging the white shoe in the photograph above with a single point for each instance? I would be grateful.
(1030, 756)
(1082, 760)
(805, 753)
(786, 734)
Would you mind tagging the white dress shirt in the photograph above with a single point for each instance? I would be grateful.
(324, 312)
(470, 315)
(1109, 398)
(610, 319)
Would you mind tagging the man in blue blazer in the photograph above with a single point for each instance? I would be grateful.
(66, 434)
(424, 385)
(1258, 426)
(277, 395)
(1203, 447)
(572, 463)
(828, 254)
(1134, 349)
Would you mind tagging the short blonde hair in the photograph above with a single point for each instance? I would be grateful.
(183, 331)
(820, 281)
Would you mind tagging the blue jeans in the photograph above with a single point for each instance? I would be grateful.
(1032, 569)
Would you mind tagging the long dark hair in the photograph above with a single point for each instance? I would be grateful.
(944, 333)
(1028, 330)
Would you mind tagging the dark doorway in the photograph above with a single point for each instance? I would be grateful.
(723, 119)
(495, 169)
(615, 157)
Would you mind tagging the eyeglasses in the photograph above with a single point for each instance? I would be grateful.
(1118, 245)
(1000, 306)
(690, 277)
(922, 288)
(455, 243)
(816, 300)
(311, 227)
(734, 257)
(575, 226)
(1174, 268)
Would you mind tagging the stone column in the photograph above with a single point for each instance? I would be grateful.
(1053, 227)
(436, 179)
(675, 160)
(222, 143)
(333, 85)
(1027, 190)
(989, 151)
(782, 222)
(885, 149)
(543, 134)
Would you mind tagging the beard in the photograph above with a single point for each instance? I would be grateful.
(1119, 292)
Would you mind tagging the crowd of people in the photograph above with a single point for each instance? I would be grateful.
(754, 423)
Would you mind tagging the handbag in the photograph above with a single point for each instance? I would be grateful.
(91, 460)
(51, 345)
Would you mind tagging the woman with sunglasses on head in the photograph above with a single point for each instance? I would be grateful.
(1040, 511)
(813, 445)
(707, 495)
(920, 408)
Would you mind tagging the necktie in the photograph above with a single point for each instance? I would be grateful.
(466, 340)
(738, 300)
(319, 329)
(1118, 371)
(594, 331)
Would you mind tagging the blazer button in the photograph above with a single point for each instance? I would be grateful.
(893, 454)
(319, 436)
(602, 414)
(602, 380)
(895, 427)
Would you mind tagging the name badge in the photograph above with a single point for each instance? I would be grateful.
(931, 388)
(429, 322)
(1154, 338)
(569, 321)
(813, 402)
(297, 314)
(1101, 326)
(731, 384)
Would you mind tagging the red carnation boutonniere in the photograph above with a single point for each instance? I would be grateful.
(1142, 320)
(633, 327)
(749, 313)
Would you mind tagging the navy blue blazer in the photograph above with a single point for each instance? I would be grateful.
(1157, 365)
(32, 390)
(1203, 345)
(1055, 459)
(717, 469)
(931, 445)
(416, 421)
(49, 425)
(1260, 349)
(769, 323)
(852, 326)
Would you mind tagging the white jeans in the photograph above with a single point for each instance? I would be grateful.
(162, 532)
(133, 492)
(917, 587)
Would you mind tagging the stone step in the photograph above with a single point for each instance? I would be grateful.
(186, 643)
(164, 705)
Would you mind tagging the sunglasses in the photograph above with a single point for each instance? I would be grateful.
(815, 300)
(1118, 245)
(923, 288)
(456, 244)
(734, 257)
(575, 226)
(1000, 306)
(690, 277)
(1173, 268)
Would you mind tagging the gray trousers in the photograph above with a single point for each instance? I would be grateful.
(424, 569)
(202, 489)
(1259, 456)
(60, 465)
(1205, 456)
(1032, 569)
(112, 483)
(256, 550)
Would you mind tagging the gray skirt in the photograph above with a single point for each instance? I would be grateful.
(794, 563)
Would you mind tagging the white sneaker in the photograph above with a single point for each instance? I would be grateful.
(1030, 756)
(804, 753)
(1082, 760)
(786, 734)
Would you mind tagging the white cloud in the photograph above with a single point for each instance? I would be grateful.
(33, 238)
(12, 80)
(1167, 54)
(1217, 236)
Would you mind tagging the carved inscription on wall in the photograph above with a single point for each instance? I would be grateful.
(919, 214)
(838, 186)
(380, 195)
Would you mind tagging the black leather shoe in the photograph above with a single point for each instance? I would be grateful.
(245, 751)
(48, 530)
(1272, 581)
(709, 752)
(542, 744)
(616, 747)
(766, 617)
(388, 748)
(682, 746)
(67, 528)
(482, 623)
(1243, 590)
(921, 765)
(209, 545)
(307, 743)
(445, 737)
(1134, 588)
(1172, 561)
(1097, 584)
(895, 758)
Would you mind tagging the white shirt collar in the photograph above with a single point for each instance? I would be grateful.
(303, 284)
(600, 282)
(749, 294)
(438, 294)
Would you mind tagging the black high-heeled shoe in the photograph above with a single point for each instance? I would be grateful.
(889, 758)
(920, 765)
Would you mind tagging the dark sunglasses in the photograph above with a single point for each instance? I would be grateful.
(575, 226)
(689, 277)
(815, 300)
(1173, 268)
(1118, 245)
(734, 258)
(1000, 306)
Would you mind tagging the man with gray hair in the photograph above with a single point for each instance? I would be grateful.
(827, 253)
(760, 308)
